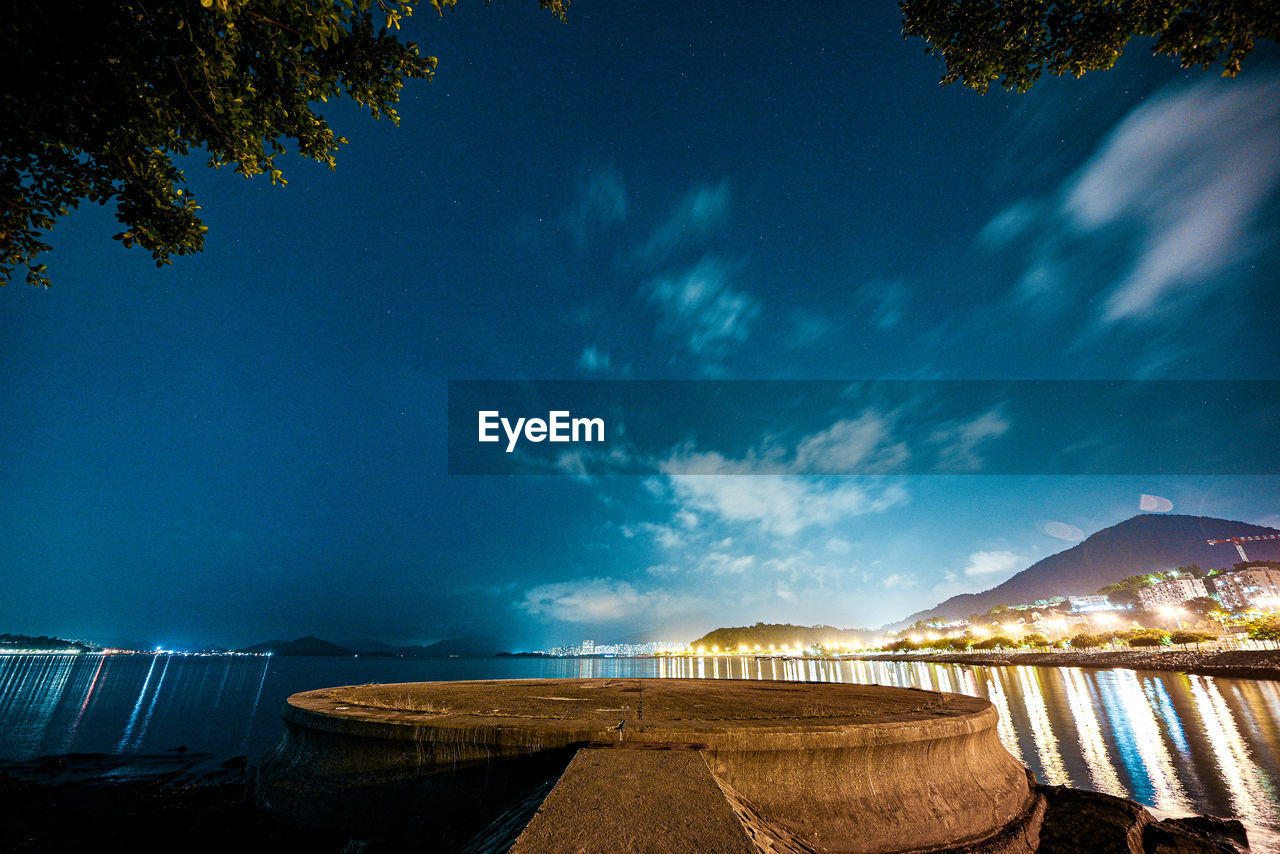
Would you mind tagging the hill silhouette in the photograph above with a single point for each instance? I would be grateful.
(1143, 543)
(302, 646)
(313, 646)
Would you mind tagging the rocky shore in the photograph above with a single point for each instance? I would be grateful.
(171, 802)
(93, 802)
(1238, 663)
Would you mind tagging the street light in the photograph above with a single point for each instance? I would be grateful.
(1173, 612)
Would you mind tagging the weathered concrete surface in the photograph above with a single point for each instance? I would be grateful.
(833, 767)
(655, 801)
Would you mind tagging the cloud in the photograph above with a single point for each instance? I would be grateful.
(594, 360)
(780, 505)
(961, 442)
(592, 600)
(896, 580)
(862, 444)
(699, 308)
(1160, 210)
(601, 205)
(1010, 224)
(722, 563)
(838, 545)
(698, 214)
(780, 492)
(991, 563)
(664, 535)
(1171, 166)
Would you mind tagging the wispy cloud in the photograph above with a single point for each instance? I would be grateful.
(1160, 210)
(1011, 223)
(1171, 167)
(862, 444)
(960, 444)
(594, 360)
(779, 505)
(601, 205)
(988, 563)
(591, 600)
(724, 563)
(694, 218)
(701, 310)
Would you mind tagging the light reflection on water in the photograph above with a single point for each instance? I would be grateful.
(1179, 744)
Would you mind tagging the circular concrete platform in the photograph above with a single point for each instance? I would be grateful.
(837, 767)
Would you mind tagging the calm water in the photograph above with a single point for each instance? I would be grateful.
(1180, 744)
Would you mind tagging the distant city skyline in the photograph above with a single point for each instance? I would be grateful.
(252, 443)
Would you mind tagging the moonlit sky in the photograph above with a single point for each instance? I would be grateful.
(250, 444)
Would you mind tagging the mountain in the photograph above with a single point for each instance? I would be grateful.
(313, 646)
(778, 635)
(1144, 543)
(465, 647)
(309, 646)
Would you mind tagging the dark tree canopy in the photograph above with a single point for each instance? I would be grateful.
(99, 96)
(983, 41)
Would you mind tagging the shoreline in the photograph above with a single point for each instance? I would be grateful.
(194, 803)
(1236, 664)
(153, 802)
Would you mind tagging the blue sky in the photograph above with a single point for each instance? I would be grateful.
(251, 443)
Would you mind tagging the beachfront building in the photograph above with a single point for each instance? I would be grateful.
(1093, 602)
(1253, 587)
(1169, 594)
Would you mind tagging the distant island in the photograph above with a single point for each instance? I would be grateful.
(15, 643)
(779, 636)
(310, 646)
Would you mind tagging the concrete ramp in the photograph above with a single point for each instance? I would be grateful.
(635, 800)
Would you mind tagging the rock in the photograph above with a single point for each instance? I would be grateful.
(1196, 835)
(1078, 821)
(55, 765)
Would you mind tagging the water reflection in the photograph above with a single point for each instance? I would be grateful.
(1172, 742)
(1177, 743)
(1141, 741)
(1252, 793)
(996, 694)
(1102, 773)
(1055, 772)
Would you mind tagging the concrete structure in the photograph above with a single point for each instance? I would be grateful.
(678, 764)
(1169, 594)
(1092, 602)
(1253, 587)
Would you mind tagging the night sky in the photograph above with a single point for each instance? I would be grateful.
(251, 444)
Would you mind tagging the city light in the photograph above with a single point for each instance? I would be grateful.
(1175, 613)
